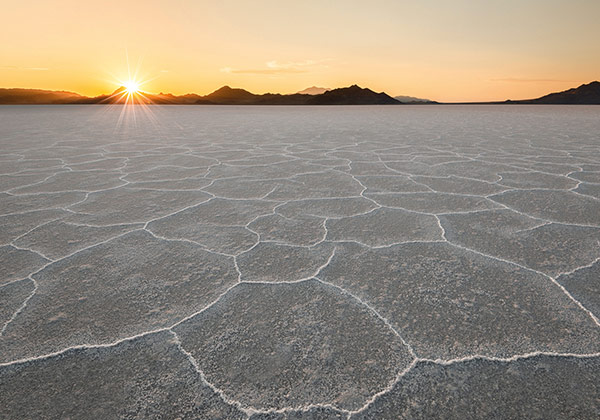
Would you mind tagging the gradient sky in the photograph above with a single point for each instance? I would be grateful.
(447, 50)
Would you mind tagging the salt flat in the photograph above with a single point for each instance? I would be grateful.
(300, 262)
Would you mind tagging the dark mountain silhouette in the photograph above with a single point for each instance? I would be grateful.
(227, 95)
(118, 96)
(279, 99)
(235, 96)
(353, 95)
(19, 96)
(588, 94)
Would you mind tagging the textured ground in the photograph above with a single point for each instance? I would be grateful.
(300, 263)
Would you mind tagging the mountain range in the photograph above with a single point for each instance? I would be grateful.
(353, 95)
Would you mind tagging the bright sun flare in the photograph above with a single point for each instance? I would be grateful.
(132, 87)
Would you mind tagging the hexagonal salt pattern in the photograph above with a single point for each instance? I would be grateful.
(114, 290)
(449, 303)
(273, 263)
(148, 377)
(275, 345)
(556, 388)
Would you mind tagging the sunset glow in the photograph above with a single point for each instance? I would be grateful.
(446, 51)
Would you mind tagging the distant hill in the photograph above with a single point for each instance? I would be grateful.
(413, 100)
(227, 95)
(583, 95)
(353, 95)
(18, 96)
(313, 90)
(235, 96)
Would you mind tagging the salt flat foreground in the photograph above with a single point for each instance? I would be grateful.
(300, 263)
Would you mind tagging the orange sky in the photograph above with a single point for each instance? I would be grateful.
(457, 50)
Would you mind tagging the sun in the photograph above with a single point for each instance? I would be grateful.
(132, 87)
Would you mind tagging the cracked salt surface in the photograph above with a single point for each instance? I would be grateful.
(300, 263)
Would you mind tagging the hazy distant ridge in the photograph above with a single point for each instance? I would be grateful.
(313, 90)
(413, 100)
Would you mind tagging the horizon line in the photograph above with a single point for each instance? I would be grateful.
(142, 92)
